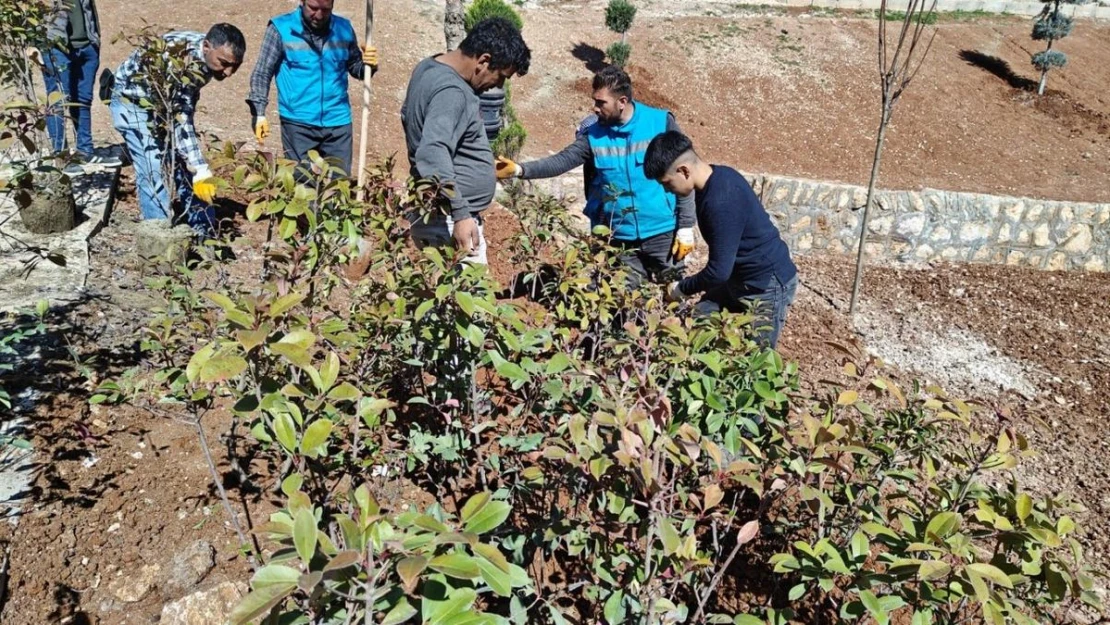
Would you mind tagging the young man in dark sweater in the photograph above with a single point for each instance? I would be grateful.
(749, 266)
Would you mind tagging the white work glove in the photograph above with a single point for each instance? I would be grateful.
(673, 293)
(683, 243)
(505, 168)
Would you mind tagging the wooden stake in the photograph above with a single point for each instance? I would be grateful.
(367, 96)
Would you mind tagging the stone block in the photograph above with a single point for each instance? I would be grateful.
(1058, 261)
(951, 253)
(156, 240)
(875, 250)
(801, 223)
(982, 255)
(1041, 236)
(1078, 239)
(1067, 215)
(804, 242)
(1015, 257)
(880, 224)
(1103, 215)
(924, 252)
(1085, 212)
(1034, 213)
(1003, 235)
(1094, 264)
(911, 225)
(1014, 211)
(1035, 259)
(940, 234)
(972, 231)
(207, 607)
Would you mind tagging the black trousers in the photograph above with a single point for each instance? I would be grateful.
(332, 142)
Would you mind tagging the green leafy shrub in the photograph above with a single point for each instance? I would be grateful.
(619, 15)
(618, 53)
(484, 9)
(590, 453)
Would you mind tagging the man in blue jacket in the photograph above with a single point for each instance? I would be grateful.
(311, 52)
(655, 229)
(749, 266)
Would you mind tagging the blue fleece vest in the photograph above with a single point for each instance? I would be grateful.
(312, 84)
(621, 197)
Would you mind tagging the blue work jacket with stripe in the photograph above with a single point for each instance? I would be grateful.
(622, 197)
(311, 81)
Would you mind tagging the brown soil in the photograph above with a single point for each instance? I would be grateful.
(786, 94)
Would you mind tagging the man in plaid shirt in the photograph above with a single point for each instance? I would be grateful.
(309, 52)
(137, 115)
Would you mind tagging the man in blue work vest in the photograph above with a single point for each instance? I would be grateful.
(311, 52)
(655, 230)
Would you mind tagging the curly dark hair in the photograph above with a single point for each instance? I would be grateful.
(502, 41)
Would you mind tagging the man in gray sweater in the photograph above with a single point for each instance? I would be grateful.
(445, 136)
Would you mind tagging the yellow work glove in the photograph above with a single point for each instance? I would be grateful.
(505, 169)
(261, 128)
(683, 243)
(370, 56)
(204, 186)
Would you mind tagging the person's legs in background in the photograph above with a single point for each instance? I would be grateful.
(56, 78)
(84, 63)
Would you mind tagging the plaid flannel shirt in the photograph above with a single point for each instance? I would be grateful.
(131, 84)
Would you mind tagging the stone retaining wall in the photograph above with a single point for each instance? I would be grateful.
(1093, 10)
(925, 225)
(939, 225)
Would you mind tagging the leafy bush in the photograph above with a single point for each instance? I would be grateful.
(590, 454)
(484, 9)
(619, 15)
(618, 53)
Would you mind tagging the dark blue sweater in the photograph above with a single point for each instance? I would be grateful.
(744, 246)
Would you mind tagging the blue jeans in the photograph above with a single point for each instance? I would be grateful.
(148, 155)
(73, 74)
(768, 303)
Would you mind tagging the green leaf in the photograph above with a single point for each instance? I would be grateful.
(493, 555)
(943, 525)
(315, 439)
(304, 534)
(284, 303)
(614, 608)
(991, 572)
(344, 392)
(748, 619)
(466, 302)
(558, 363)
(474, 505)
(796, 592)
(457, 565)
(410, 569)
(330, 371)
(219, 299)
(495, 578)
(931, 570)
(671, 539)
(292, 484)
(270, 585)
(192, 370)
(458, 602)
(1023, 506)
(342, 560)
(400, 613)
(285, 431)
(489, 518)
(871, 602)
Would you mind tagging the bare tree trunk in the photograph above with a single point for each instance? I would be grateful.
(883, 122)
(454, 26)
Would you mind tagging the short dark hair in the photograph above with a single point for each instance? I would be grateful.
(614, 79)
(497, 37)
(224, 34)
(663, 151)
